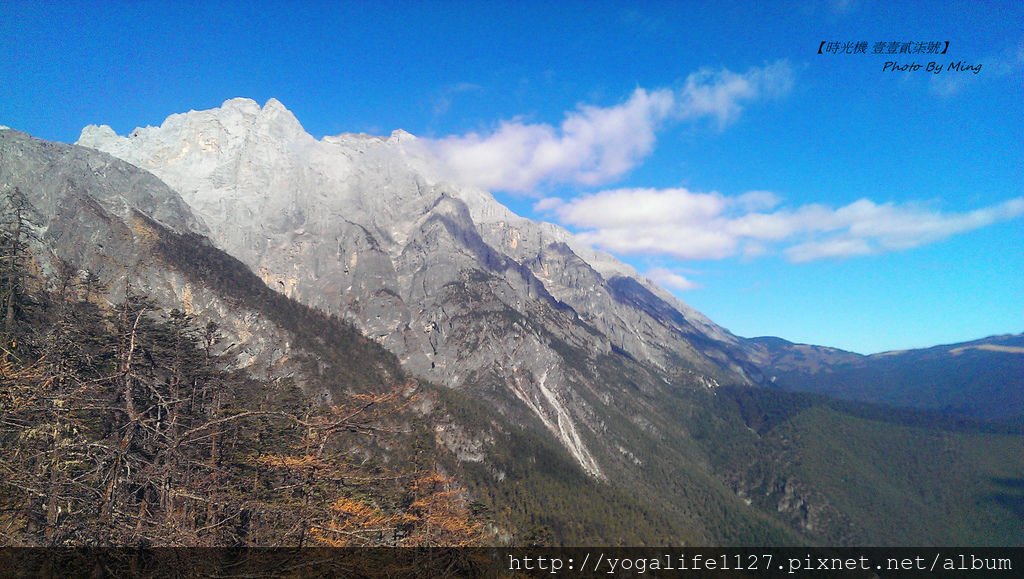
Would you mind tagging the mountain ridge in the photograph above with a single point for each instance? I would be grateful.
(979, 378)
(550, 422)
(402, 235)
(271, 192)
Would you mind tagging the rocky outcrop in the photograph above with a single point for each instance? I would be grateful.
(457, 286)
(107, 217)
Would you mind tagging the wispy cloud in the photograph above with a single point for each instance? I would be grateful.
(722, 94)
(842, 6)
(594, 145)
(670, 279)
(443, 101)
(591, 146)
(1008, 63)
(691, 225)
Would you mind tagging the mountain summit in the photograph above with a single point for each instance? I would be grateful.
(463, 291)
(576, 401)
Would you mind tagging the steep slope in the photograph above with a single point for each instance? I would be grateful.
(123, 225)
(130, 422)
(979, 379)
(850, 473)
(95, 213)
(553, 354)
(460, 289)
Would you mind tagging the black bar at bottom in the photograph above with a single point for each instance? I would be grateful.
(513, 562)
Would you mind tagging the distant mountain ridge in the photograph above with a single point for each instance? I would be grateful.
(980, 379)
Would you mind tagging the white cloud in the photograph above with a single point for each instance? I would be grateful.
(758, 200)
(721, 94)
(836, 247)
(642, 207)
(683, 242)
(688, 225)
(547, 204)
(670, 279)
(594, 145)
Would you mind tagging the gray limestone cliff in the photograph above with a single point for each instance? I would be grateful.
(107, 217)
(463, 291)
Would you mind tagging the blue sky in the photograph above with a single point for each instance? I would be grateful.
(782, 192)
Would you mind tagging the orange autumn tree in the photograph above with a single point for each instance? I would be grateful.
(125, 424)
(357, 522)
(436, 515)
(300, 491)
(441, 514)
(333, 498)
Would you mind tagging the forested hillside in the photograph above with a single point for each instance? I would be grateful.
(978, 379)
(125, 424)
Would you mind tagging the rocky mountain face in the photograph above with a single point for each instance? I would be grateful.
(135, 234)
(127, 421)
(567, 434)
(577, 401)
(463, 291)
